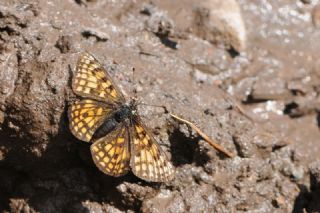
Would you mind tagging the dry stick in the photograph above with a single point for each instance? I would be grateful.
(204, 136)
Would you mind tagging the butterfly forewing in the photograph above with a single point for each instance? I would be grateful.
(92, 81)
(148, 161)
(111, 153)
(85, 117)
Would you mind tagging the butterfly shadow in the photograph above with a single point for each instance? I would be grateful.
(59, 179)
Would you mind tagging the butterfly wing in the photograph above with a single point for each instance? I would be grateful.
(148, 161)
(111, 153)
(86, 116)
(92, 81)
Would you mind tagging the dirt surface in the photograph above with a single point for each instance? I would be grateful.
(261, 104)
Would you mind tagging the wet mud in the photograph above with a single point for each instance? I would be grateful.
(251, 85)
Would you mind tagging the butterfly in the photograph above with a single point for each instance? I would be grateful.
(119, 138)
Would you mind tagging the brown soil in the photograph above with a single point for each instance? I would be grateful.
(275, 84)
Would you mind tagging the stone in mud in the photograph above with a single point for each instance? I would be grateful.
(158, 21)
(164, 201)
(8, 73)
(217, 20)
(244, 144)
(266, 89)
(316, 16)
(20, 205)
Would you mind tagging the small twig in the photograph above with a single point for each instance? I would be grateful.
(242, 111)
(204, 136)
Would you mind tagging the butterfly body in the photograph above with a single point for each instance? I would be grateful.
(124, 114)
(119, 138)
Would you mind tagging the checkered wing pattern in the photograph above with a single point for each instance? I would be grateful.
(92, 81)
(129, 144)
(85, 117)
(111, 153)
(148, 161)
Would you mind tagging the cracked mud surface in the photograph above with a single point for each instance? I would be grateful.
(275, 135)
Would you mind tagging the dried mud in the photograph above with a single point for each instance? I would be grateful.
(261, 104)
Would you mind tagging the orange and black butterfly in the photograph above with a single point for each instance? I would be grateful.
(119, 139)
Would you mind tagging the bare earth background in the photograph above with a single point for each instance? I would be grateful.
(186, 57)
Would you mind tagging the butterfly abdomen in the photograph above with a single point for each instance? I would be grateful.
(112, 122)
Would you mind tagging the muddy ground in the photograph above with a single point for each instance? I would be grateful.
(257, 96)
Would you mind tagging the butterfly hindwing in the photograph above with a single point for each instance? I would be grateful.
(85, 117)
(148, 161)
(92, 81)
(111, 153)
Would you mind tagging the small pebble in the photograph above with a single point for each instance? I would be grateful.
(280, 201)
(306, 1)
(316, 16)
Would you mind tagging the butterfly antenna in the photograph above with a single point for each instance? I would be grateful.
(134, 84)
(135, 97)
(153, 105)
